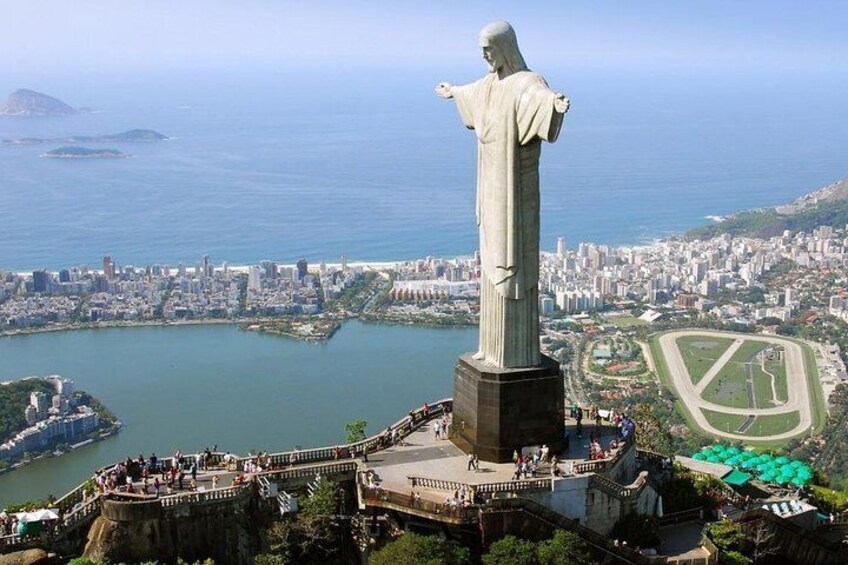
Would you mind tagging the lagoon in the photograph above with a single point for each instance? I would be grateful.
(189, 387)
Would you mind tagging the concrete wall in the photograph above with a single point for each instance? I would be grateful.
(567, 497)
(574, 498)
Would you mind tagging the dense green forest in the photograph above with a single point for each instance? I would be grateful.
(14, 398)
(768, 223)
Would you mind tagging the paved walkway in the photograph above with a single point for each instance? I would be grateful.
(425, 456)
(683, 541)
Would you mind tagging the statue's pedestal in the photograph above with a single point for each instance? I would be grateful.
(497, 411)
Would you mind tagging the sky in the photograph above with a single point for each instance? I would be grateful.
(58, 36)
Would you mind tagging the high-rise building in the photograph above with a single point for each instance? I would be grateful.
(302, 269)
(344, 262)
(254, 277)
(270, 269)
(790, 296)
(560, 247)
(40, 401)
(207, 266)
(30, 414)
(108, 268)
(64, 276)
(40, 281)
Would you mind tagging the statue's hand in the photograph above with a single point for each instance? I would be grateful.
(561, 103)
(443, 90)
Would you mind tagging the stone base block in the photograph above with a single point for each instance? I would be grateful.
(497, 411)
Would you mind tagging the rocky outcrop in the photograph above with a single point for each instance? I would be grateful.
(28, 557)
(144, 530)
(25, 102)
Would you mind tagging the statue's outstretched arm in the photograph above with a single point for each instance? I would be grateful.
(561, 103)
(443, 90)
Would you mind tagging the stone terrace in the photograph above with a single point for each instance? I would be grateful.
(424, 456)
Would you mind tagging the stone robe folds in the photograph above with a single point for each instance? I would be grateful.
(511, 116)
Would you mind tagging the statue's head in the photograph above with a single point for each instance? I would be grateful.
(500, 48)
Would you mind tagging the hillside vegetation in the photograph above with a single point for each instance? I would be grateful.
(769, 223)
(14, 398)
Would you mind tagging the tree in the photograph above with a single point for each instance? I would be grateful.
(313, 533)
(637, 530)
(651, 433)
(762, 538)
(415, 549)
(356, 430)
(732, 558)
(511, 550)
(726, 535)
(270, 559)
(564, 548)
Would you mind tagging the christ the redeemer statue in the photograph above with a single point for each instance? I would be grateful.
(511, 110)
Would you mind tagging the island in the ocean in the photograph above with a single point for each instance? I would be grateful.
(83, 153)
(131, 136)
(24, 102)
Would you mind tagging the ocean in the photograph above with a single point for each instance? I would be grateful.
(280, 165)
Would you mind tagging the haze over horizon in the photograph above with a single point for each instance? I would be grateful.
(101, 36)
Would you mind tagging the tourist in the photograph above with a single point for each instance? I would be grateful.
(194, 471)
(470, 462)
(437, 427)
(476, 463)
(215, 480)
(156, 485)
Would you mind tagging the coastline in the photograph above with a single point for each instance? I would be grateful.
(113, 431)
(124, 324)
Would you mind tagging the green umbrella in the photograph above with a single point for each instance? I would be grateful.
(788, 471)
(782, 460)
(732, 461)
(732, 450)
(699, 456)
(767, 477)
(718, 448)
(765, 458)
(712, 459)
(749, 463)
(745, 455)
(782, 480)
(796, 463)
(799, 482)
(764, 467)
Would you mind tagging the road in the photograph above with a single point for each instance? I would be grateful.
(796, 382)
